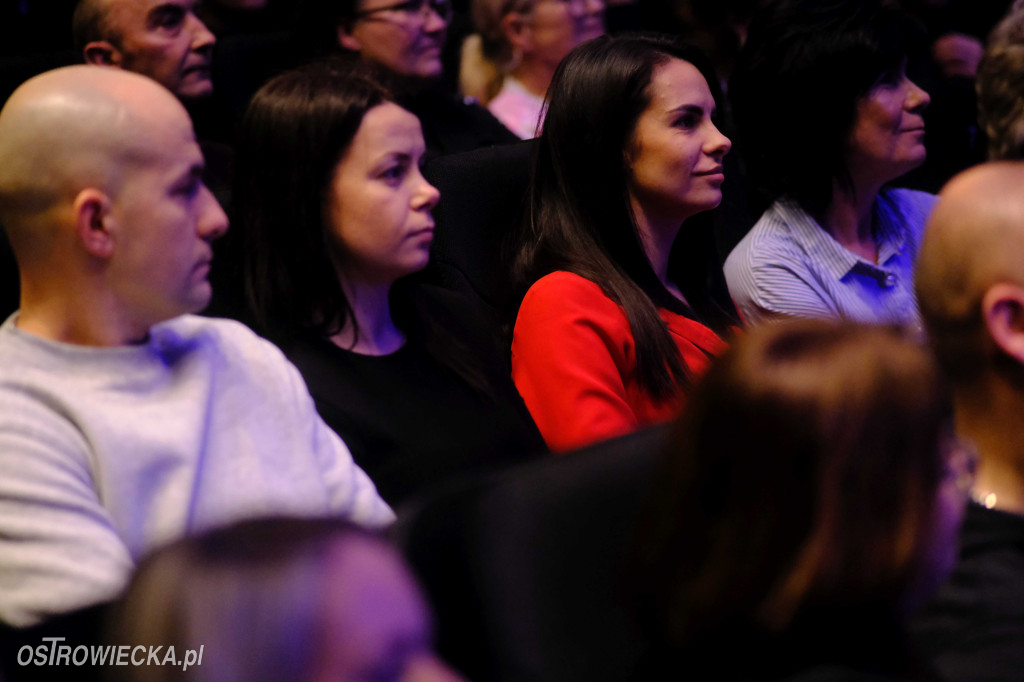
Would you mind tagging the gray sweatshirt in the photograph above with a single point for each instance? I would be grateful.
(106, 453)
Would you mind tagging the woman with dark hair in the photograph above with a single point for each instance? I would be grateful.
(808, 500)
(826, 118)
(278, 599)
(620, 315)
(335, 215)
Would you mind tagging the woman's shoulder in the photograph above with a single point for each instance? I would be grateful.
(911, 203)
(905, 211)
(783, 234)
(565, 298)
(560, 283)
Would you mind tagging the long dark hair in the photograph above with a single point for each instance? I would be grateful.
(294, 133)
(796, 84)
(580, 218)
(802, 477)
(295, 130)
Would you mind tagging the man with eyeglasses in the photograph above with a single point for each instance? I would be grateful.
(970, 288)
(402, 43)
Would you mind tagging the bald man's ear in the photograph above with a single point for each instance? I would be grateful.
(1003, 310)
(102, 53)
(93, 222)
(346, 39)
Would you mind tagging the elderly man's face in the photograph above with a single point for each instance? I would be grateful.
(165, 40)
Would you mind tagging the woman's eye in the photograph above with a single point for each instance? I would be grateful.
(189, 189)
(890, 79)
(688, 122)
(394, 172)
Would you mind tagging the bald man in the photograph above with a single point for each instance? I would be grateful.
(125, 421)
(162, 39)
(970, 285)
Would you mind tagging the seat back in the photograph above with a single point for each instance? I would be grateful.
(483, 196)
(525, 570)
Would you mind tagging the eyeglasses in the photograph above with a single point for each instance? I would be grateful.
(413, 10)
(577, 8)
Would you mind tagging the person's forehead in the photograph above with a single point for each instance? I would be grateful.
(676, 82)
(136, 11)
(164, 139)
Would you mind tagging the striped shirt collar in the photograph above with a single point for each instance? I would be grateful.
(833, 256)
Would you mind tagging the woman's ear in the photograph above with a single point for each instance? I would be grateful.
(346, 39)
(516, 30)
(1002, 309)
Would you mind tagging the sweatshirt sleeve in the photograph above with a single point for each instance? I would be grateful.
(572, 350)
(59, 550)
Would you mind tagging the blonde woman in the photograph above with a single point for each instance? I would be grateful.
(509, 63)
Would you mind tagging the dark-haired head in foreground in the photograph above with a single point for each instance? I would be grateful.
(813, 489)
(279, 599)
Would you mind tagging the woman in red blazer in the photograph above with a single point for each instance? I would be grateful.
(625, 305)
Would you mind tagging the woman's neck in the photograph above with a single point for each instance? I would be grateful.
(988, 416)
(850, 219)
(657, 236)
(371, 312)
(535, 77)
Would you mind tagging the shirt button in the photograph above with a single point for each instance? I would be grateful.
(890, 280)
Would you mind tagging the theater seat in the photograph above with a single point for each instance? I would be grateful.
(525, 570)
(483, 195)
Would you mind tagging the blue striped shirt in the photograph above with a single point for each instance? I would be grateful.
(788, 265)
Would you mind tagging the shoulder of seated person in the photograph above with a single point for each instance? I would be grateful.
(566, 291)
(221, 333)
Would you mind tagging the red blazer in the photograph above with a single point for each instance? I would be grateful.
(574, 363)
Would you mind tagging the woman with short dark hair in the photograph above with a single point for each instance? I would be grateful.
(620, 314)
(808, 500)
(335, 215)
(826, 118)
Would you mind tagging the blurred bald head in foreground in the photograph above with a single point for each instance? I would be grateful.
(970, 284)
(102, 198)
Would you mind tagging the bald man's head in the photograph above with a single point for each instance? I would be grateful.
(974, 242)
(101, 188)
(70, 129)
